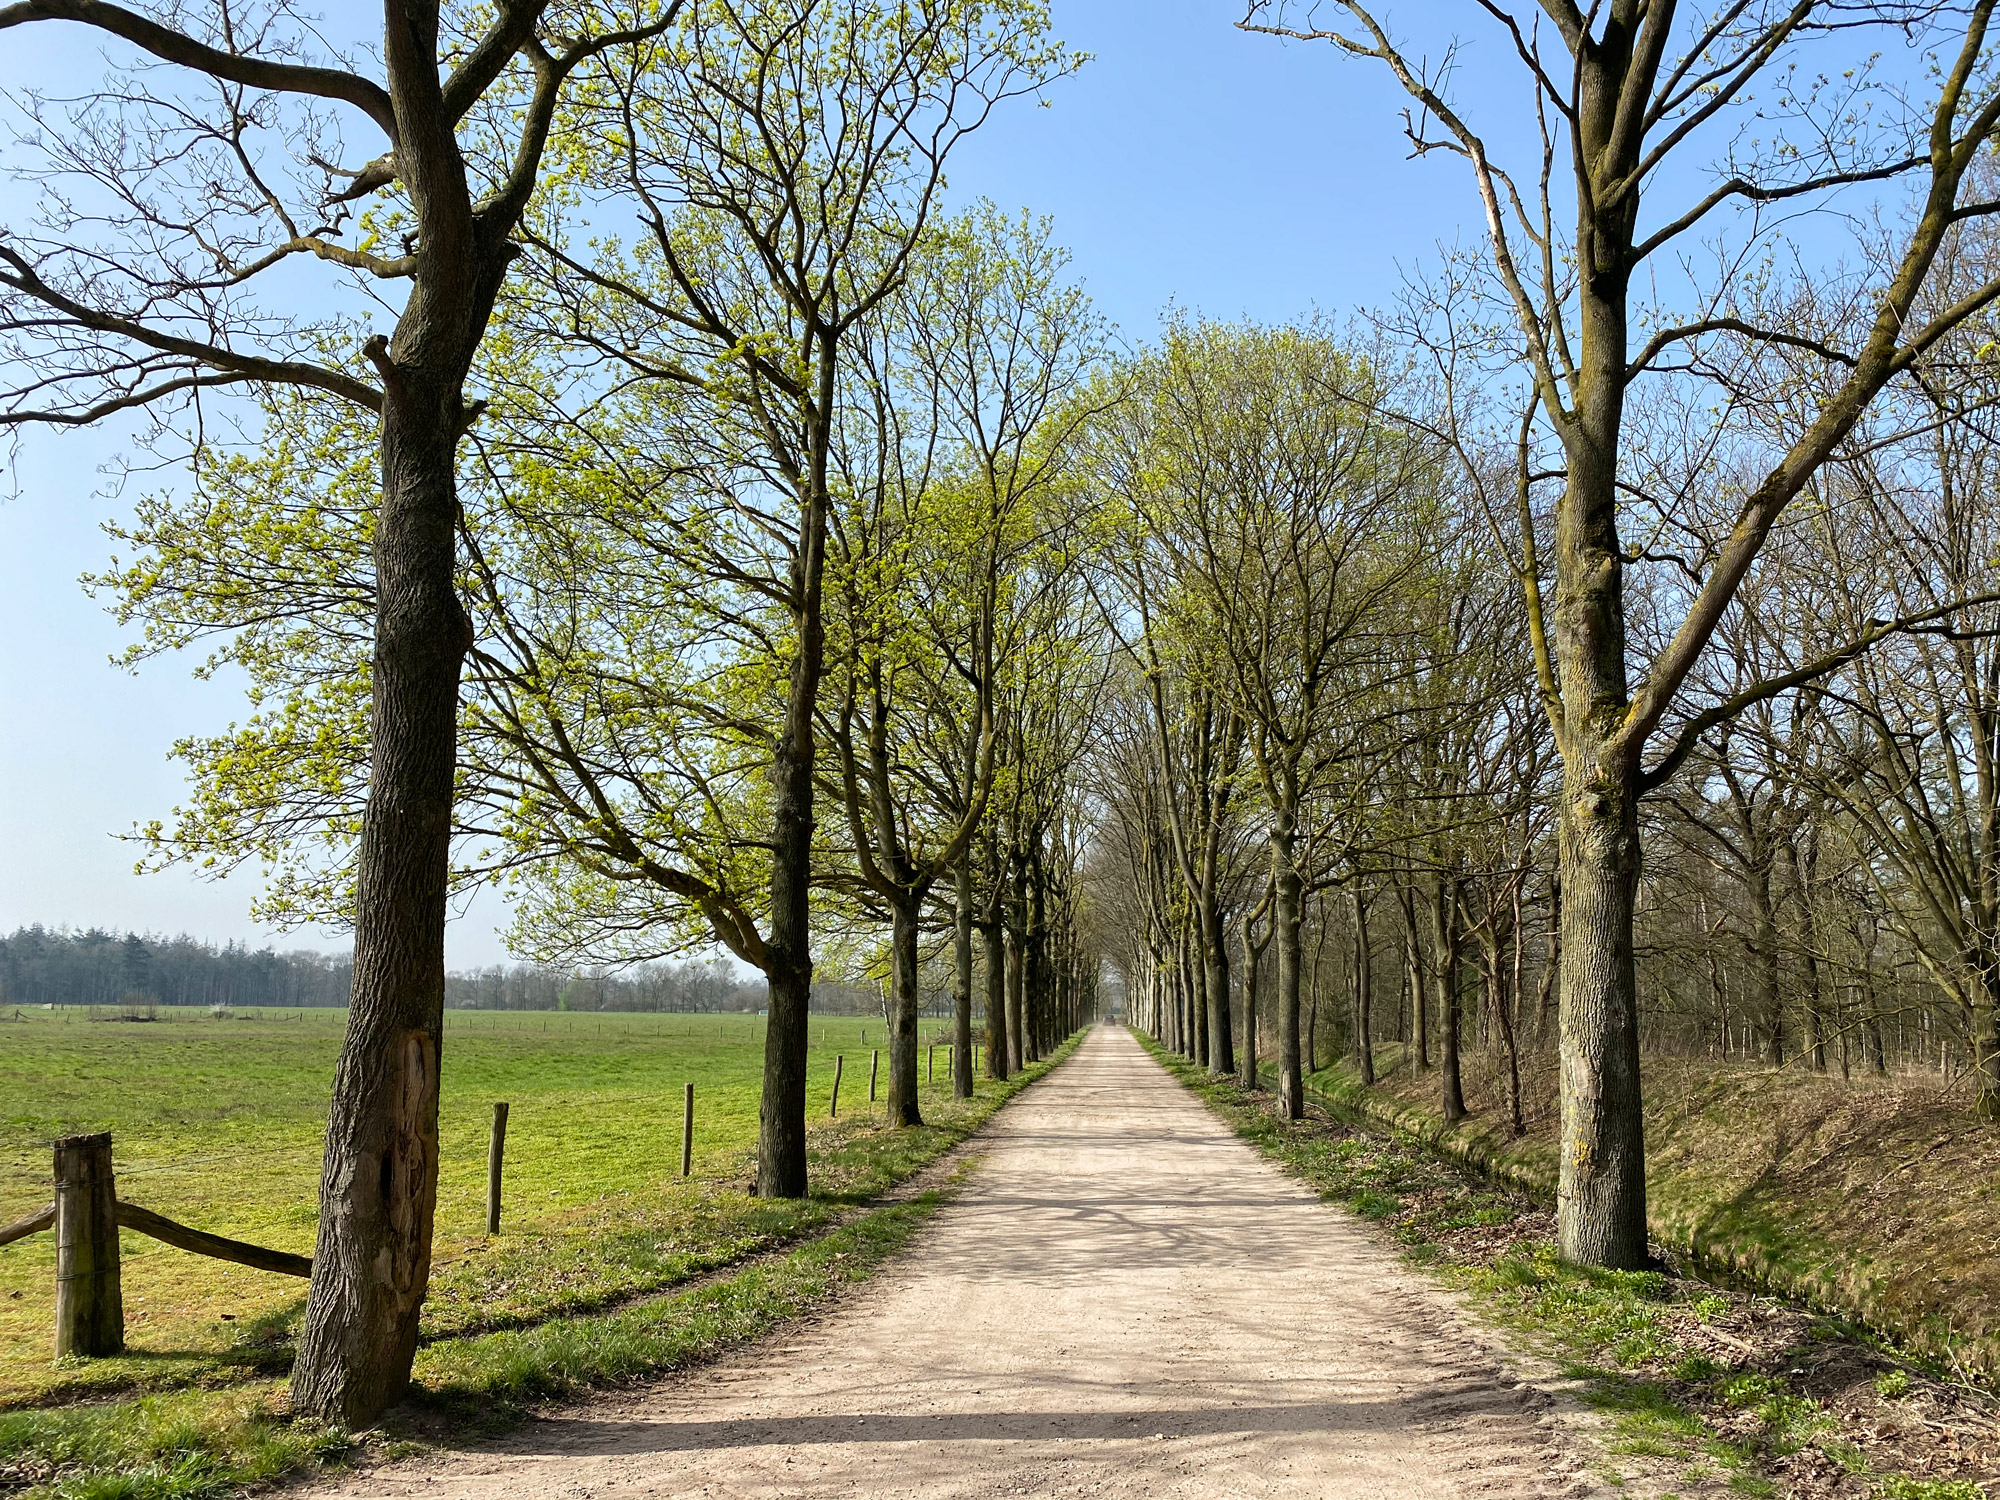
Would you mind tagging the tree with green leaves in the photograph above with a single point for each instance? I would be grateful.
(953, 523)
(783, 159)
(1619, 99)
(1281, 516)
(155, 270)
(647, 504)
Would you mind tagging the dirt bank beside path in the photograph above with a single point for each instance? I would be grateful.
(1126, 1300)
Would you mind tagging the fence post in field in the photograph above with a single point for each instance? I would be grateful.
(834, 1109)
(496, 1154)
(90, 1306)
(687, 1133)
(874, 1064)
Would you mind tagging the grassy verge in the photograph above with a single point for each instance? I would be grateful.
(218, 1123)
(1874, 1199)
(1715, 1386)
(233, 1429)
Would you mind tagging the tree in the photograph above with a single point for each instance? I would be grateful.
(783, 166)
(652, 481)
(1281, 516)
(1622, 95)
(166, 216)
(941, 555)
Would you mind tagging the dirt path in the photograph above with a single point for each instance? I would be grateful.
(1126, 1300)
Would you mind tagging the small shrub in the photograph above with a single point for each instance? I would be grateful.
(1749, 1390)
(1892, 1385)
(1484, 1213)
(1519, 1270)
(1697, 1368)
(1898, 1488)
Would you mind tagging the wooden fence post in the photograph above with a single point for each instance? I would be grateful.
(834, 1109)
(90, 1306)
(496, 1154)
(874, 1063)
(687, 1133)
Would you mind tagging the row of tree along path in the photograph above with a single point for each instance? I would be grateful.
(1124, 1301)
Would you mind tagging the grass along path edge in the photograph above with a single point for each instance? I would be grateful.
(595, 1214)
(1704, 1388)
(1733, 1225)
(198, 1444)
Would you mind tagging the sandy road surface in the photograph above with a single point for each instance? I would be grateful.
(1125, 1301)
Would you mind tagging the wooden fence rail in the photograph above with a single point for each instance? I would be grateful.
(87, 1214)
(214, 1246)
(35, 1223)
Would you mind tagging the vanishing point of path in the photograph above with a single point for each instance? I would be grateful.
(1126, 1300)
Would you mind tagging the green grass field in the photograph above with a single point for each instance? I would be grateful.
(218, 1123)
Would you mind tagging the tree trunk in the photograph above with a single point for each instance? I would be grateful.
(1764, 958)
(1183, 1002)
(1286, 914)
(1983, 1032)
(1037, 993)
(905, 1106)
(1510, 1003)
(961, 984)
(1413, 977)
(1251, 956)
(1551, 966)
(1313, 1025)
(1221, 1055)
(1197, 1049)
(1364, 985)
(1016, 983)
(1312, 1011)
(998, 1048)
(1065, 1021)
(1803, 864)
(1601, 1185)
(1444, 963)
(378, 1185)
(1190, 1007)
(781, 1118)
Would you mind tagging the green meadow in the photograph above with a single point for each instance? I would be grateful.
(218, 1123)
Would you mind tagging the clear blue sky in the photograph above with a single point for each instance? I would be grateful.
(1187, 164)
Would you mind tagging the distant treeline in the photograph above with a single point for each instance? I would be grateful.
(656, 986)
(41, 966)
